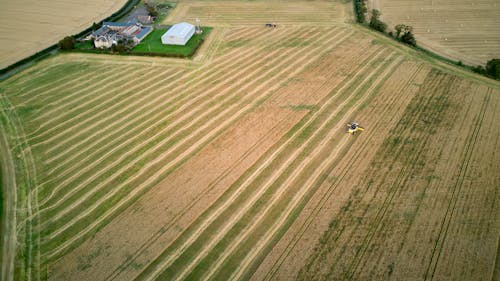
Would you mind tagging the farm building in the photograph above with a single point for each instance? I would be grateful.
(178, 34)
(112, 32)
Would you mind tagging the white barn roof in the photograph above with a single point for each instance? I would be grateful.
(178, 34)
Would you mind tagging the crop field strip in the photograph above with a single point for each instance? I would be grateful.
(233, 13)
(346, 168)
(171, 223)
(380, 216)
(178, 159)
(458, 195)
(27, 177)
(337, 258)
(313, 259)
(245, 264)
(45, 26)
(106, 135)
(438, 150)
(400, 178)
(465, 31)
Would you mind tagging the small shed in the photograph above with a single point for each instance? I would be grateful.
(178, 34)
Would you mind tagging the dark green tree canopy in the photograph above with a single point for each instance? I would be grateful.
(493, 68)
(67, 43)
(376, 23)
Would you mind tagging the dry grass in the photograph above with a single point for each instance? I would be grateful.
(30, 26)
(467, 31)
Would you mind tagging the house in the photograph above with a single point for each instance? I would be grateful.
(113, 32)
(178, 34)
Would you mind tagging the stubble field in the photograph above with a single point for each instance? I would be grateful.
(466, 31)
(30, 26)
(236, 165)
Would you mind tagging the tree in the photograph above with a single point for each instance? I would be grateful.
(404, 33)
(376, 23)
(360, 10)
(409, 39)
(67, 43)
(119, 48)
(151, 10)
(493, 68)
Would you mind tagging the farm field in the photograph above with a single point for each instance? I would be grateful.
(466, 31)
(236, 166)
(33, 25)
(244, 13)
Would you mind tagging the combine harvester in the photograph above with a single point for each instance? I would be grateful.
(353, 128)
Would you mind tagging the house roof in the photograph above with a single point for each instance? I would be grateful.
(109, 23)
(145, 30)
(180, 30)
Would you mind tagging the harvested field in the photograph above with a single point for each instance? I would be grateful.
(467, 31)
(31, 26)
(236, 166)
(243, 13)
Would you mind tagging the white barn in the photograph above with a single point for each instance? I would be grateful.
(178, 34)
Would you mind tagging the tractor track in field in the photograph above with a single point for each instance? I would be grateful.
(202, 140)
(82, 101)
(315, 257)
(265, 164)
(271, 274)
(95, 117)
(195, 201)
(443, 231)
(199, 82)
(401, 180)
(53, 85)
(113, 143)
(386, 204)
(47, 96)
(31, 202)
(191, 86)
(206, 67)
(9, 217)
(309, 183)
(172, 125)
(401, 177)
(180, 214)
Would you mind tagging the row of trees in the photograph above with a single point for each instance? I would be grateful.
(403, 32)
(492, 69)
